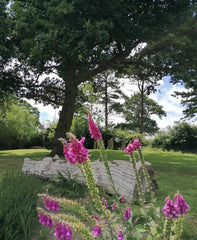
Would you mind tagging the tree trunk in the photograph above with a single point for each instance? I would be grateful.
(142, 113)
(65, 118)
(106, 105)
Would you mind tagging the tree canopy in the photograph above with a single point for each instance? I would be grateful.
(175, 55)
(78, 39)
(9, 77)
(19, 123)
(133, 115)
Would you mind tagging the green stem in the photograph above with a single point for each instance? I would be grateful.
(103, 156)
(138, 180)
(167, 229)
(178, 228)
(144, 169)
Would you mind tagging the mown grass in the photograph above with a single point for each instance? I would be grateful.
(14, 159)
(173, 171)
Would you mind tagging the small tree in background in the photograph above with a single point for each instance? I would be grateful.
(180, 137)
(134, 116)
(108, 87)
(19, 123)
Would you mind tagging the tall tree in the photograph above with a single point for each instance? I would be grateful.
(134, 116)
(175, 55)
(79, 39)
(146, 78)
(108, 87)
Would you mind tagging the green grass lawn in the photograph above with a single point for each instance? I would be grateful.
(173, 171)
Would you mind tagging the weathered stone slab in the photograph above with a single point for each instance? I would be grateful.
(121, 171)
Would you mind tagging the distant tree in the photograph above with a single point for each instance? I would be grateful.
(134, 117)
(78, 40)
(19, 122)
(175, 55)
(108, 86)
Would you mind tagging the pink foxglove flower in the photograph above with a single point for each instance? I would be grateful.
(169, 209)
(180, 204)
(106, 205)
(94, 130)
(97, 231)
(136, 143)
(96, 218)
(130, 149)
(122, 198)
(51, 205)
(120, 235)
(75, 152)
(114, 206)
(45, 220)
(63, 232)
(127, 214)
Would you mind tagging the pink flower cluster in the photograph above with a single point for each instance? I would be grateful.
(180, 204)
(63, 232)
(133, 146)
(75, 152)
(97, 231)
(94, 130)
(173, 209)
(45, 220)
(127, 214)
(51, 205)
(169, 209)
(120, 235)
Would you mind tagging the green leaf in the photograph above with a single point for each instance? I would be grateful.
(153, 230)
(141, 228)
(149, 237)
(137, 235)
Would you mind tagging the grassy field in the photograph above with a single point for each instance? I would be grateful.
(173, 170)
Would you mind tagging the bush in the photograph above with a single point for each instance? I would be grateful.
(181, 137)
(18, 200)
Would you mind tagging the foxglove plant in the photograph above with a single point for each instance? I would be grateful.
(174, 212)
(107, 225)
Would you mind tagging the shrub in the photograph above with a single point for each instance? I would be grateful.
(181, 137)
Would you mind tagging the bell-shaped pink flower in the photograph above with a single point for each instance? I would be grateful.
(63, 232)
(75, 152)
(122, 198)
(169, 209)
(97, 231)
(130, 149)
(45, 220)
(114, 206)
(120, 235)
(51, 205)
(180, 204)
(94, 130)
(136, 143)
(127, 214)
(106, 205)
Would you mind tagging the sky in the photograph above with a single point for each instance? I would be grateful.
(163, 96)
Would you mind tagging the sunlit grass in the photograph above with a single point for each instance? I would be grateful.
(173, 171)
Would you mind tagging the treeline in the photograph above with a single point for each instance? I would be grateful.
(181, 137)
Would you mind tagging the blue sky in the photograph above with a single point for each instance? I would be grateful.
(171, 105)
(163, 96)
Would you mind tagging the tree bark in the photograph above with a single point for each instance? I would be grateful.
(106, 104)
(65, 118)
(142, 111)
